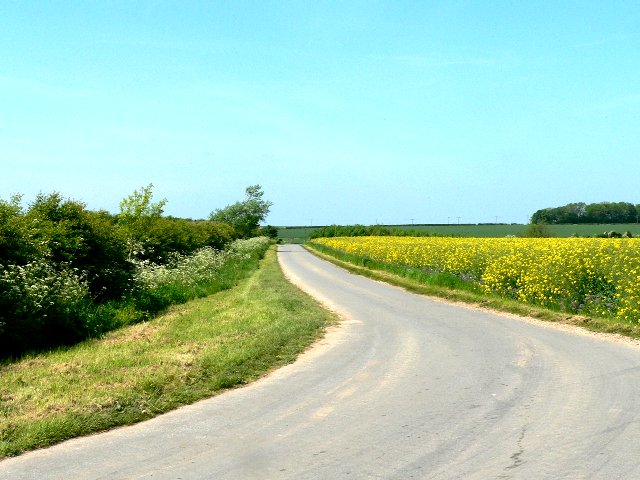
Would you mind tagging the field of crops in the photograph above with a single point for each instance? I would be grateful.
(300, 234)
(582, 275)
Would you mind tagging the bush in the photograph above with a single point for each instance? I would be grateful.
(15, 242)
(89, 242)
(44, 305)
(269, 231)
(164, 236)
(537, 230)
(40, 306)
(187, 277)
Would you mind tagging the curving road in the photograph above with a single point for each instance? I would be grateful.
(406, 387)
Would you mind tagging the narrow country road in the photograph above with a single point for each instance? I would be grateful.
(406, 387)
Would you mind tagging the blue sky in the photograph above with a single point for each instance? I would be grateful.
(345, 112)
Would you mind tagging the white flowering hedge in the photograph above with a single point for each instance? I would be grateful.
(202, 266)
(45, 304)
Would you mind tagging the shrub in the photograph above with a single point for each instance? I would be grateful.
(15, 244)
(537, 230)
(185, 277)
(165, 236)
(269, 231)
(40, 306)
(89, 242)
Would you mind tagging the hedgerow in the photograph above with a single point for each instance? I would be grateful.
(68, 273)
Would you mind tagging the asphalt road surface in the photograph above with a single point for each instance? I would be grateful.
(406, 387)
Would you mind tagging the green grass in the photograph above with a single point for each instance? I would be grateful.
(294, 234)
(454, 289)
(193, 351)
(301, 234)
(490, 230)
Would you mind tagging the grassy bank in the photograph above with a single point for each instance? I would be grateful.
(193, 351)
(452, 288)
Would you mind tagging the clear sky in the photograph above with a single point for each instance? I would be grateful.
(345, 112)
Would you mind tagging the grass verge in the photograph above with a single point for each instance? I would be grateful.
(193, 351)
(454, 289)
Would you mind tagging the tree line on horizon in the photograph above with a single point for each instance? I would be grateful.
(602, 212)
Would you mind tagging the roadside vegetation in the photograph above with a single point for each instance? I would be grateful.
(68, 273)
(589, 281)
(190, 352)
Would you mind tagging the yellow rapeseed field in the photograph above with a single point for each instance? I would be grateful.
(589, 275)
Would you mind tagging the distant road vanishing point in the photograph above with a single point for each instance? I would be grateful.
(406, 387)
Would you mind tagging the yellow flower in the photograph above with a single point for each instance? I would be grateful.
(593, 275)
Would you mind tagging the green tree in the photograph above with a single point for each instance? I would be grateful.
(16, 246)
(137, 216)
(137, 207)
(603, 212)
(245, 216)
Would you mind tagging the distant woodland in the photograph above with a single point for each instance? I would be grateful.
(604, 212)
